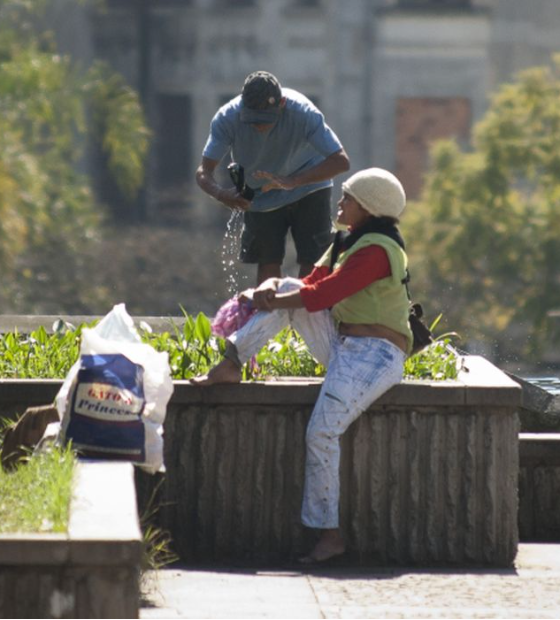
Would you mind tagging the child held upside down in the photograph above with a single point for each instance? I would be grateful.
(353, 315)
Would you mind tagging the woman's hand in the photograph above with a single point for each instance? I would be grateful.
(263, 300)
(265, 294)
(246, 295)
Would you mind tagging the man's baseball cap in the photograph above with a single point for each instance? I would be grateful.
(261, 97)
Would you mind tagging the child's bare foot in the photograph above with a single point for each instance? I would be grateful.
(224, 372)
(330, 545)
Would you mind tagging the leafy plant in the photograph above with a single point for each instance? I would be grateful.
(288, 356)
(51, 111)
(438, 361)
(193, 350)
(39, 355)
(156, 542)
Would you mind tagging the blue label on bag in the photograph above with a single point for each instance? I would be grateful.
(106, 408)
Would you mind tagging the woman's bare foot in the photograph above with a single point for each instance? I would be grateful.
(224, 372)
(330, 545)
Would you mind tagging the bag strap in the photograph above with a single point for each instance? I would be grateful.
(336, 247)
(337, 244)
(405, 281)
(416, 308)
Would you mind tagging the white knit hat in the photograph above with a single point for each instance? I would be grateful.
(378, 191)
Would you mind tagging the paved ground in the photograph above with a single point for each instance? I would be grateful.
(531, 590)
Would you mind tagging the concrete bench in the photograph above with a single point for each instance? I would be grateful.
(93, 570)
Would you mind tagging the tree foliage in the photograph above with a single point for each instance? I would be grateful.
(484, 237)
(49, 110)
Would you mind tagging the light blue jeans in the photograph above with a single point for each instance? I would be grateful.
(359, 371)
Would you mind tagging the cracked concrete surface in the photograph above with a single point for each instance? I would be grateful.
(530, 590)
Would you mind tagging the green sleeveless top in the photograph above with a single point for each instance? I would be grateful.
(385, 301)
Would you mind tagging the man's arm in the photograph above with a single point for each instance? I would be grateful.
(229, 197)
(330, 167)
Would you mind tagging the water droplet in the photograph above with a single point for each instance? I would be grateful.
(230, 251)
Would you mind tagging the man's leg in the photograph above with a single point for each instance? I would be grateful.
(311, 226)
(268, 270)
(263, 241)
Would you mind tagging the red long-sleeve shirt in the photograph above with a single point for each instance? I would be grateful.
(322, 289)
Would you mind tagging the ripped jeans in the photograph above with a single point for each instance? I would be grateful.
(359, 371)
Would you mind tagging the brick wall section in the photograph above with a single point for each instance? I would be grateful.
(421, 121)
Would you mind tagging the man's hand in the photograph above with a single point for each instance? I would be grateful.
(233, 199)
(334, 164)
(275, 181)
(229, 197)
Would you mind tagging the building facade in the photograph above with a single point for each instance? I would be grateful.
(390, 76)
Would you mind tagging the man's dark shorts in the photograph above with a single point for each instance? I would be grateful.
(264, 234)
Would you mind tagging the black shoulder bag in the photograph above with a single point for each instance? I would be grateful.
(421, 334)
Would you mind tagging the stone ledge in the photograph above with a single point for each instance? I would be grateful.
(103, 527)
(539, 486)
(95, 566)
(539, 449)
(480, 383)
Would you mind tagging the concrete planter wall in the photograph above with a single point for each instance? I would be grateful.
(429, 473)
(539, 487)
(93, 570)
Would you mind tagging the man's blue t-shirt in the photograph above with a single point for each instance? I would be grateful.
(299, 140)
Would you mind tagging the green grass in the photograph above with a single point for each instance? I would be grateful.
(193, 350)
(35, 497)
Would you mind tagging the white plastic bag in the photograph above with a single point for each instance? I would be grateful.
(114, 399)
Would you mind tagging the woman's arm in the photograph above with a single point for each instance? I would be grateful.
(361, 269)
(266, 297)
